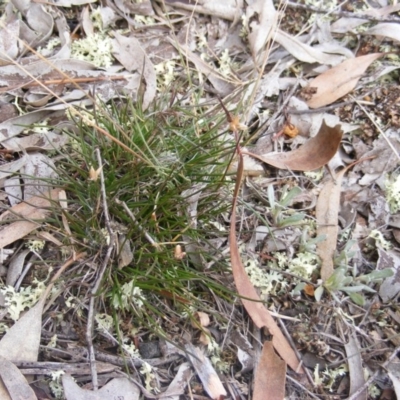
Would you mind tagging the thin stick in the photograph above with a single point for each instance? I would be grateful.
(133, 218)
(99, 278)
(290, 340)
(362, 388)
(70, 261)
(302, 387)
(379, 129)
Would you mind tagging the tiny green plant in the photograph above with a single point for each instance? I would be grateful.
(343, 281)
(280, 216)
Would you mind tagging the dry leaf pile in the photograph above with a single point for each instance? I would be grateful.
(312, 99)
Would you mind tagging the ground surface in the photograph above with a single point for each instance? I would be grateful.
(124, 254)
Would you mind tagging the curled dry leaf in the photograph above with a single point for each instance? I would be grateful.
(270, 378)
(202, 318)
(314, 154)
(340, 80)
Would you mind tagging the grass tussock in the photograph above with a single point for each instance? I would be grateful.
(166, 192)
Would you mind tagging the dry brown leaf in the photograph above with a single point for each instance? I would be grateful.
(305, 52)
(228, 9)
(314, 154)
(270, 378)
(394, 374)
(176, 388)
(202, 319)
(389, 30)
(37, 172)
(249, 296)
(9, 48)
(12, 167)
(15, 384)
(340, 80)
(22, 340)
(206, 372)
(15, 267)
(36, 208)
(326, 213)
(264, 20)
(356, 370)
(343, 25)
(220, 83)
(309, 289)
(129, 52)
(117, 388)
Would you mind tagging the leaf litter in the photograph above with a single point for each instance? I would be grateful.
(253, 51)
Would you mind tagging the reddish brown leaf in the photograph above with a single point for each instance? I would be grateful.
(269, 383)
(35, 208)
(250, 299)
(314, 154)
(340, 80)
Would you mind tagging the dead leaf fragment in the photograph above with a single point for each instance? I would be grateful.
(177, 387)
(394, 373)
(117, 388)
(229, 9)
(202, 318)
(333, 84)
(18, 346)
(36, 208)
(327, 213)
(15, 383)
(129, 52)
(204, 369)
(264, 20)
(356, 371)
(270, 378)
(304, 52)
(389, 30)
(314, 154)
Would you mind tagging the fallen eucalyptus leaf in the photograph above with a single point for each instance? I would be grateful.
(21, 342)
(270, 376)
(16, 386)
(314, 154)
(117, 388)
(340, 80)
